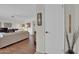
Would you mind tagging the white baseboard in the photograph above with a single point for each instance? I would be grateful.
(40, 53)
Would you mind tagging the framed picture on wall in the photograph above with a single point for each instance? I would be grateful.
(28, 25)
(39, 19)
(69, 23)
(0, 25)
(6, 25)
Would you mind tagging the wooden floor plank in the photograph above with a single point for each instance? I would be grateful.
(25, 46)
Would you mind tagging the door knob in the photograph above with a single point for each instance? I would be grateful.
(46, 32)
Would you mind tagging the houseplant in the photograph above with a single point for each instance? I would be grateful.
(75, 37)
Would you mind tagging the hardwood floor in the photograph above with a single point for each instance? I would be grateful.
(23, 47)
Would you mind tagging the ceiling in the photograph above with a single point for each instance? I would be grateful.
(17, 11)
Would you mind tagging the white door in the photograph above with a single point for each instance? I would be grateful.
(54, 28)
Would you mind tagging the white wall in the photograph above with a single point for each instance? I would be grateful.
(17, 24)
(31, 29)
(76, 26)
(22, 13)
(55, 17)
(40, 31)
(54, 24)
(14, 24)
